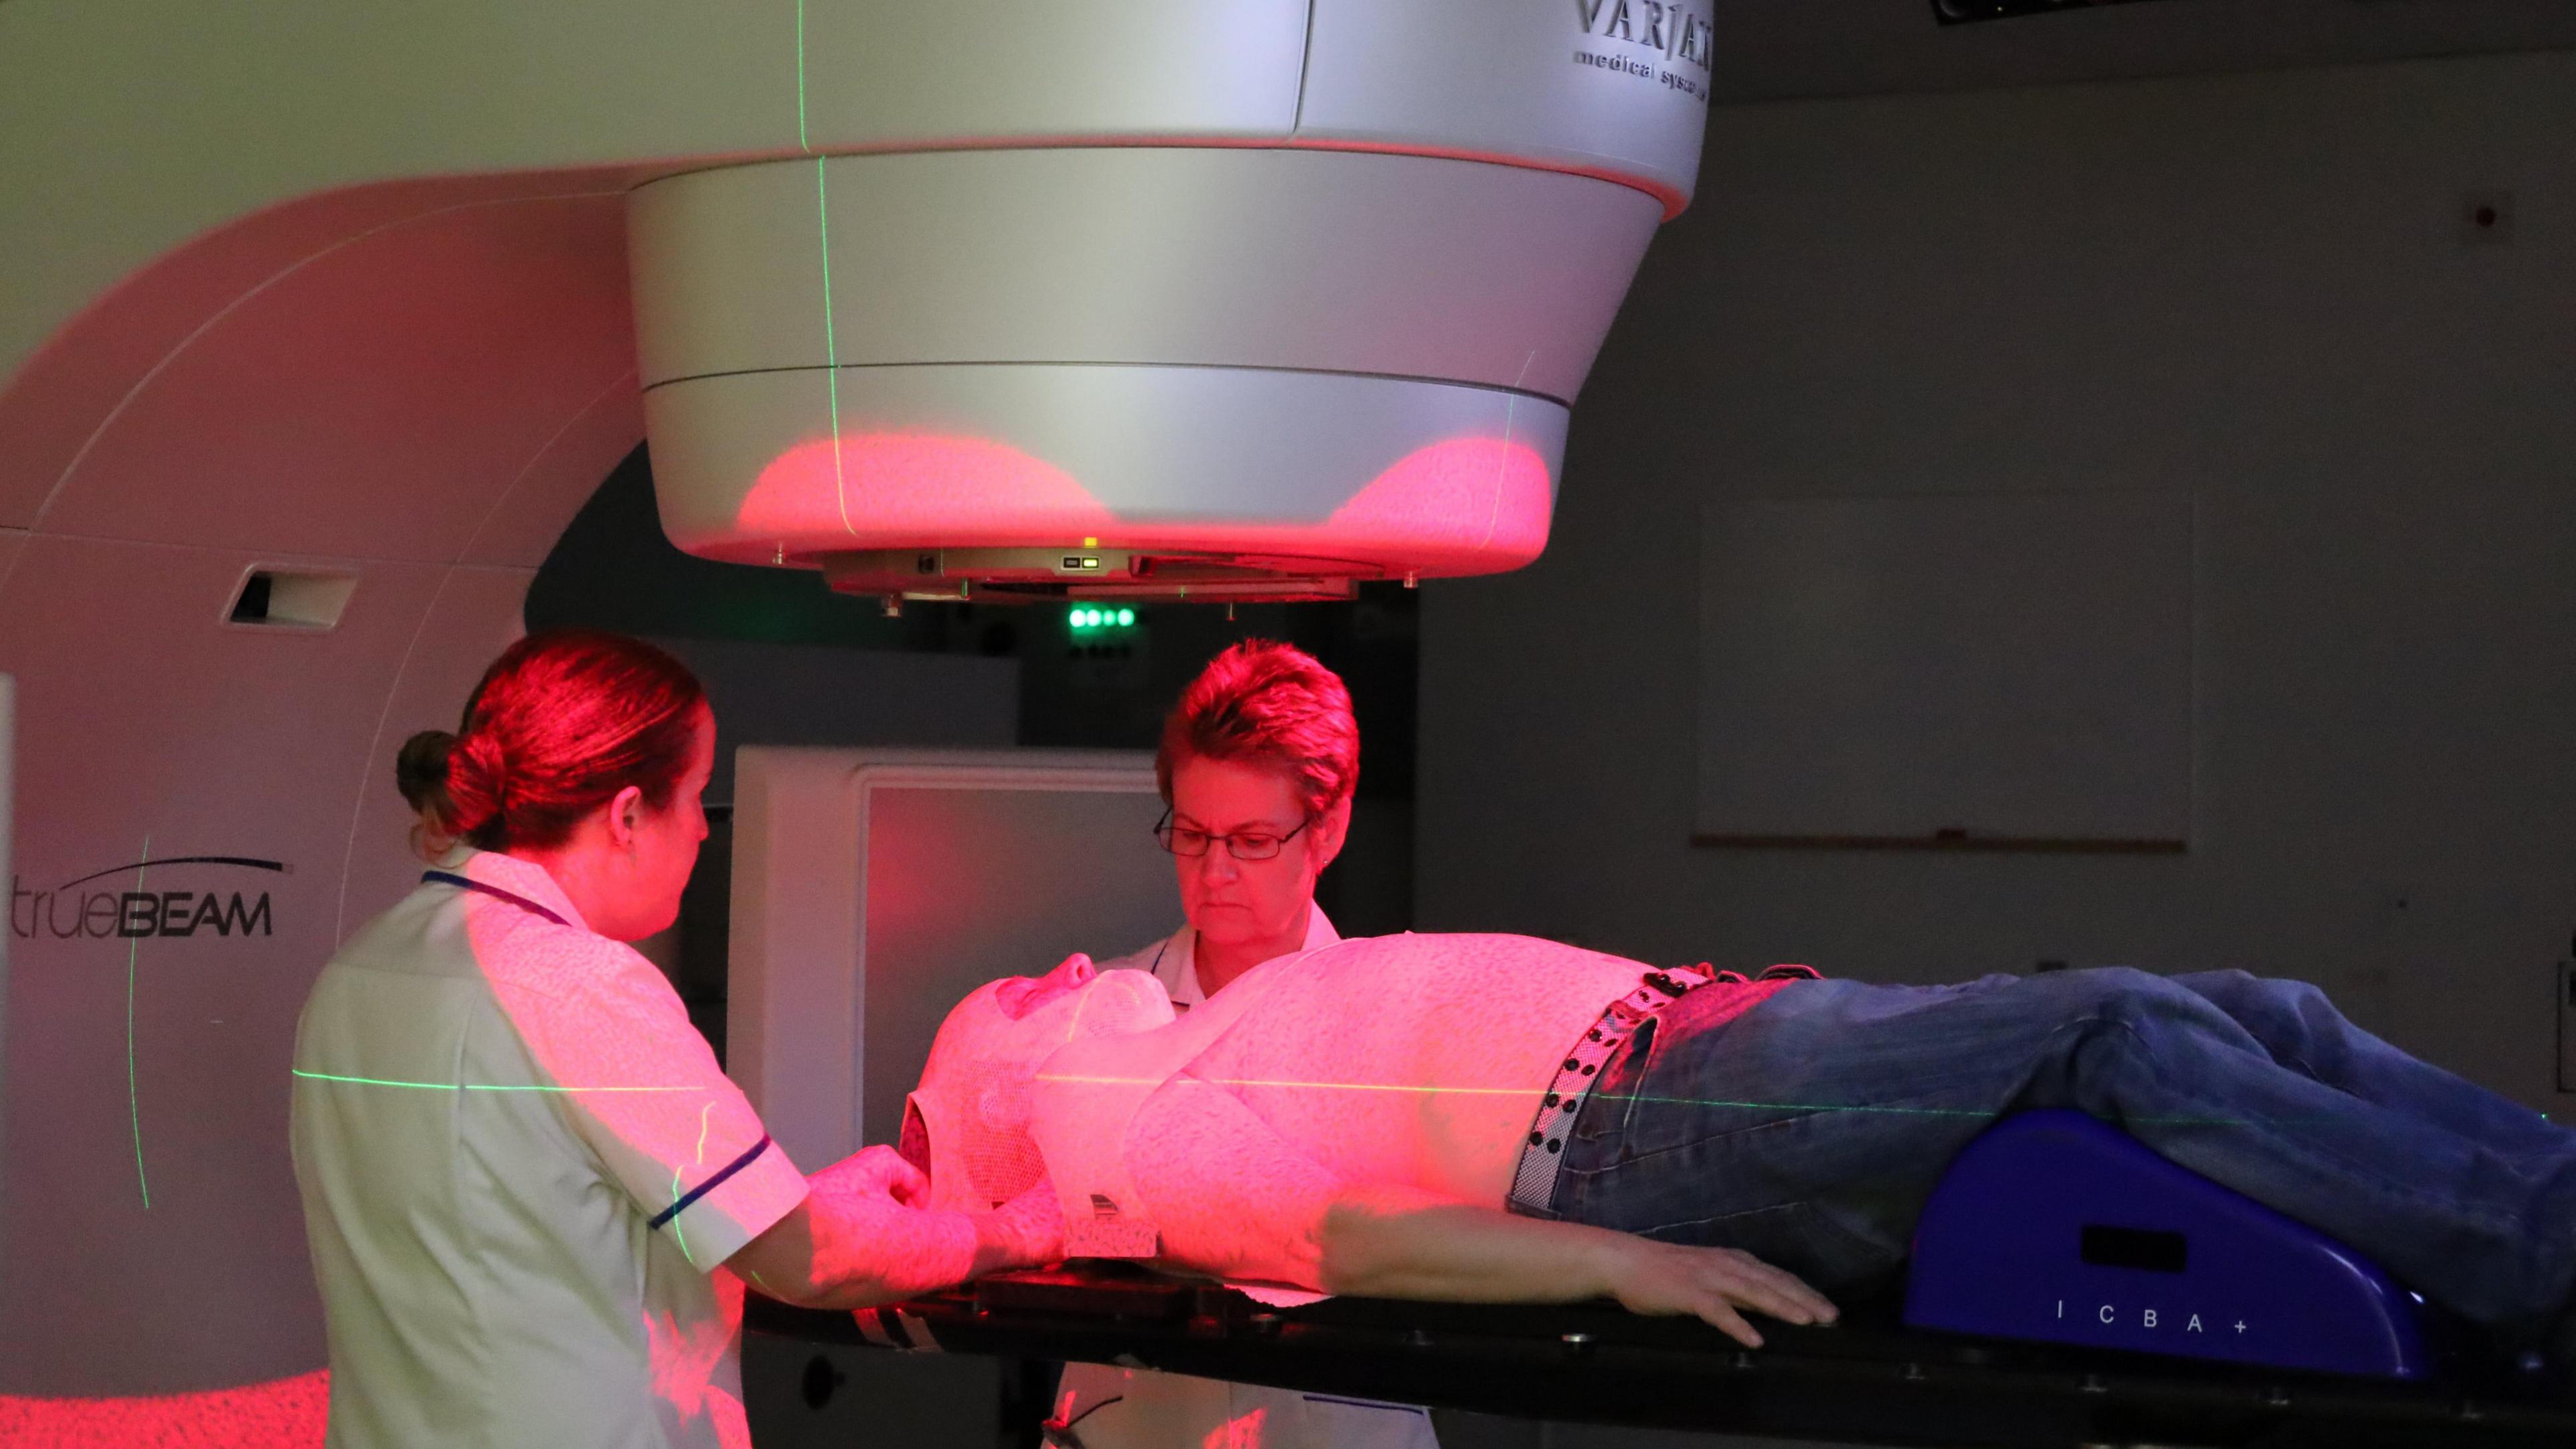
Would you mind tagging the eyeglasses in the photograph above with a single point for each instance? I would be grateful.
(1242, 845)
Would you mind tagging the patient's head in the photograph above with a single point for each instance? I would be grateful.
(967, 1124)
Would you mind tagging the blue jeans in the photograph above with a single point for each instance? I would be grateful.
(1810, 1130)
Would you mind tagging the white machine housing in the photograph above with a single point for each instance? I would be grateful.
(1260, 296)
(1247, 301)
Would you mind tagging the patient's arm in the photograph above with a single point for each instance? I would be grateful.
(1228, 1196)
(1404, 1244)
(1233, 1198)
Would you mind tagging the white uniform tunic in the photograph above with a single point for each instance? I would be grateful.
(1105, 1407)
(519, 1163)
(1174, 960)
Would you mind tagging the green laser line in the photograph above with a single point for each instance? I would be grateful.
(676, 1235)
(801, 142)
(473, 1086)
(823, 217)
(831, 344)
(133, 1093)
(1891, 1111)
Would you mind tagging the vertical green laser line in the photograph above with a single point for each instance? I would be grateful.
(801, 142)
(823, 215)
(831, 345)
(678, 1236)
(133, 1096)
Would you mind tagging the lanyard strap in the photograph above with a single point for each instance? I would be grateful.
(449, 877)
(1534, 1179)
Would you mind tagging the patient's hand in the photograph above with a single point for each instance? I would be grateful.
(1710, 1284)
(1029, 1229)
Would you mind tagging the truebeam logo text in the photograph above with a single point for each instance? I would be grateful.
(68, 912)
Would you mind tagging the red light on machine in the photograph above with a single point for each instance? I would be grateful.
(934, 516)
(899, 490)
(1465, 505)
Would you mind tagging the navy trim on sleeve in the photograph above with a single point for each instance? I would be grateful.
(710, 1185)
(449, 877)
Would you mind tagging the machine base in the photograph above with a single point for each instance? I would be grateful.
(1084, 570)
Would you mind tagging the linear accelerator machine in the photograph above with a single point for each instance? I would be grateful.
(340, 311)
(320, 326)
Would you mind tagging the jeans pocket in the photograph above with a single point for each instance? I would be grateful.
(1612, 1108)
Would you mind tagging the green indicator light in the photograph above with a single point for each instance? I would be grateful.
(1126, 616)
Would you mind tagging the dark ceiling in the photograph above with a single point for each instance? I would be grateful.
(1784, 49)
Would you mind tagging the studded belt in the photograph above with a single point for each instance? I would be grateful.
(1542, 1155)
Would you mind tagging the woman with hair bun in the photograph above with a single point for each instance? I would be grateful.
(528, 1187)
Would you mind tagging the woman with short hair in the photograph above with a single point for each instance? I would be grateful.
(1258, 762)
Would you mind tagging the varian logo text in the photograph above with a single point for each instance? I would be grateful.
(1669, 29)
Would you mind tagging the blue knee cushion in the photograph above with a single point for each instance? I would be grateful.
(2057, 1227)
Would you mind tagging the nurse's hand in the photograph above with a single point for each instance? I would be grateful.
(864, 1235)
(874, 1172)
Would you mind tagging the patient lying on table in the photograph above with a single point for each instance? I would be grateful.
(1514, 1120)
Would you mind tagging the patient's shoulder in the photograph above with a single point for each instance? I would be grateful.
(1442, 952)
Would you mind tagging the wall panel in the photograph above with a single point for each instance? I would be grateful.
(149, 1190)
(2251, 289)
